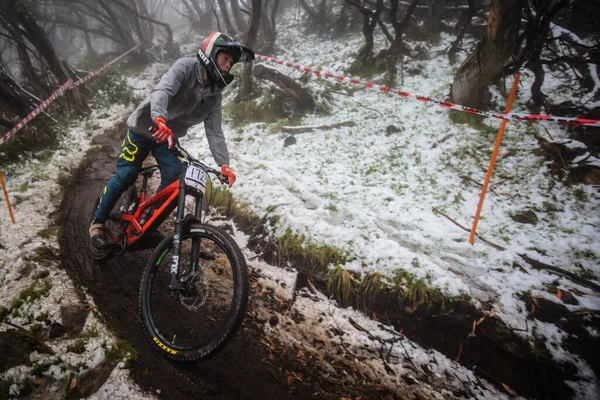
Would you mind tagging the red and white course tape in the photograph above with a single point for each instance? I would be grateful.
(38, 109)
(384, 89)
(102, 68)
(60, 91)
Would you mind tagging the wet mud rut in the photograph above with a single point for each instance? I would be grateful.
(250, 367)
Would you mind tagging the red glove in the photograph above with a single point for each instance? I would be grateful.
(161, 132)
(225, 170)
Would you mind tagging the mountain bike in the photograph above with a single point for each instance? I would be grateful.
(194, 290)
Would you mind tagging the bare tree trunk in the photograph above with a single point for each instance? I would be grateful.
(317, 15)
(205, 23)
(237, 15)
(269, 26)
(36, 36)
(13, 100)
(396, 49)
(225, 15)
(137, 16)
(463, 30)
(535, 36)
(27, 70)
(433, 23)
(197, 8)
(126, 40)
(88, 42)
(485, 65)
(191, 17)
(246, 85)
(370, 19)
(157, 9)
(148, 27)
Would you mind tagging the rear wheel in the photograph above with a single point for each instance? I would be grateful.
(202, 316)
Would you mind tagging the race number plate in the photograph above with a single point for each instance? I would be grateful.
(196, 178)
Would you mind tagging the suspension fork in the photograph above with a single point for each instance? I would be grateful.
(175, 285)
(196, 240)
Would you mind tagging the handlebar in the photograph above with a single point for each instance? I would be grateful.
(181, 152)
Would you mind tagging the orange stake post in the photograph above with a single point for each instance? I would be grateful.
(12, 217)
(488, 176)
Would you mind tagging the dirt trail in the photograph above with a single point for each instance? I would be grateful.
(248, 368)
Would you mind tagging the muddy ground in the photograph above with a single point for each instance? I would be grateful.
(248, 368)
(253, 366)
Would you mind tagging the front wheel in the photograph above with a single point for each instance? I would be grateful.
(203, 315)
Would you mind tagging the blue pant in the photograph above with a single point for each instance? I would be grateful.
(134, 151)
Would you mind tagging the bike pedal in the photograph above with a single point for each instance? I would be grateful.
(100, 254)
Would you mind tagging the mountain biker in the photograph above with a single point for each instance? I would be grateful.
(189, 93)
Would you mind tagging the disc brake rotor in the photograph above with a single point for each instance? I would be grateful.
(195, 291)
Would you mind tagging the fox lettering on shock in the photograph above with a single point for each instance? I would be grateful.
(175, 259)
(174, 264)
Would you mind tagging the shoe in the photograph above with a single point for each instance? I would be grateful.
(98, 236)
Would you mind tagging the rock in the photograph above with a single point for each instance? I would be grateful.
(74, 317)
(100, 139)
(391, 129)
(290, 140)
(590, 178)
(56, 330)
(525, 217)
(568, 297)
(92, 380)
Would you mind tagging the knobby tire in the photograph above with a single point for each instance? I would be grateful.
(202, 318)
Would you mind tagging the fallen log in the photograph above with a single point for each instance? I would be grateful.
(302, 96)
(304, 129)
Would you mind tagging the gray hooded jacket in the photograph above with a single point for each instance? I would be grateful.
(181, 99)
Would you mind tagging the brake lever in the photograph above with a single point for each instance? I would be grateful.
(223, 179)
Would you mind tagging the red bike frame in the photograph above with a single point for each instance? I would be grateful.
(134, 230)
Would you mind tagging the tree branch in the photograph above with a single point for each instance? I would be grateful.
(534, 263)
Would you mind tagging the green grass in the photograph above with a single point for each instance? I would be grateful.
(225, 204)
(419, 292)
(342, 284)
(37, 290)
(38, 369)
(43, 254)
(26, 270)
(318, 257)
(122, 350)
(54, 232)
(20, 200)
(78, 347)
(371, 286)
(580, 195)
(108, 88)
(5, 383)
